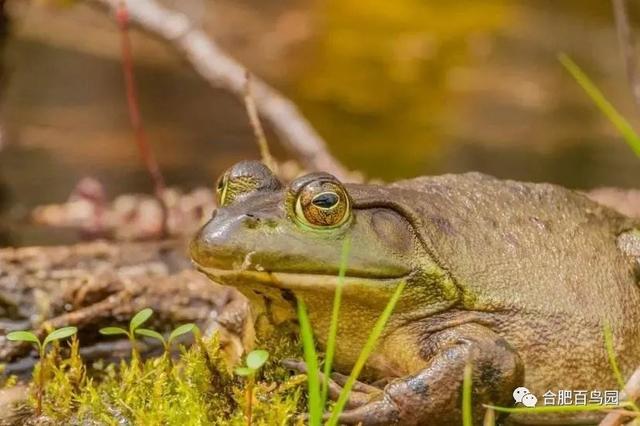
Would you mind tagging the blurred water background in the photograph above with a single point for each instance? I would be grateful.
(397, 88)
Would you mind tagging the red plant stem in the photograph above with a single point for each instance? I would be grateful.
(250, 402)
(40, 385)
(134, 107)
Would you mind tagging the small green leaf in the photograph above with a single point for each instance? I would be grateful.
(244, 371)
(110, 331)
(61, 333)
(140, 318)
(150, 333)
(257, 358)
(23, 336)
(179, 331)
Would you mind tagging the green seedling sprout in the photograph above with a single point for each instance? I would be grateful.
(31, 337)
(137, 320)
(166, 343)
(255, 360)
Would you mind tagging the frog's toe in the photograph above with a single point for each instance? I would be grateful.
(381, 411)
(341, 379)
(360, 394)
(294, 365)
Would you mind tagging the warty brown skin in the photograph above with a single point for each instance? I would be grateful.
(517, 278)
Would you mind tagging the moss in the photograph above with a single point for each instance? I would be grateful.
(7, 381)
(195, 388)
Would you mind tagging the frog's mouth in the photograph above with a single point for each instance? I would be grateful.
(283, 288)
(295, 281)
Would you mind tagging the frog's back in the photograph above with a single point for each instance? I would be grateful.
(544, 263)
(514, 244)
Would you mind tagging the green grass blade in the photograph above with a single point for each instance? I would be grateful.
(364, 355)
(620, 123)
(558, 408)
(467, 409)
(333, 327)
(608, 344)
(311, 358)
(611, 353)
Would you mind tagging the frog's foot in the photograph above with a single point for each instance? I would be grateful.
(361, 393)
(431, 397)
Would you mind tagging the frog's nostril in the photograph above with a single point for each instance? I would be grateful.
(251, 220)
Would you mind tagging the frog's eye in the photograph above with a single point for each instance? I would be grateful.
(322, 204)
(221, 189)
(242, 179)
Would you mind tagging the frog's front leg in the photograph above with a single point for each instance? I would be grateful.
(432, 396)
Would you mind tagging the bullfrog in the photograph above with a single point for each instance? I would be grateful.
(517, 280)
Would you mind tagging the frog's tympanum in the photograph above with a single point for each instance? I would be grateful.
(518, 279)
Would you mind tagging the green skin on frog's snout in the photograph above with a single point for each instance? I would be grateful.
(517, 278)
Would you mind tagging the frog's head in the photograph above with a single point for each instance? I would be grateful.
(281, 241)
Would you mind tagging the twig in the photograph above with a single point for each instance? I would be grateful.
(254, 119)
(4, 21)
(222, 71)
(4, 31)
(146, 152)
(626, 40)
(631, 392)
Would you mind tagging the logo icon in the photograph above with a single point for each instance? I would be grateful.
(523, 396)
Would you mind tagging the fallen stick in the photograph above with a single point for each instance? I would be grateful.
(631, 392)
(222, 71)
(99, 284)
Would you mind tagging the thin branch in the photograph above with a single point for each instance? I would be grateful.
(4, 32)
(256, 125)
(222, 71)
(122, 16)
(627, 42)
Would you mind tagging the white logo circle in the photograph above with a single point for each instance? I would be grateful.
(529, 400)
(519, 393)
(525, 397)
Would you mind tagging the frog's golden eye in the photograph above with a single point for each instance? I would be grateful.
(243, 179)
(322, 204)
(221, 189)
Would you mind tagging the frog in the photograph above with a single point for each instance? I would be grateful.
(513, 282)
